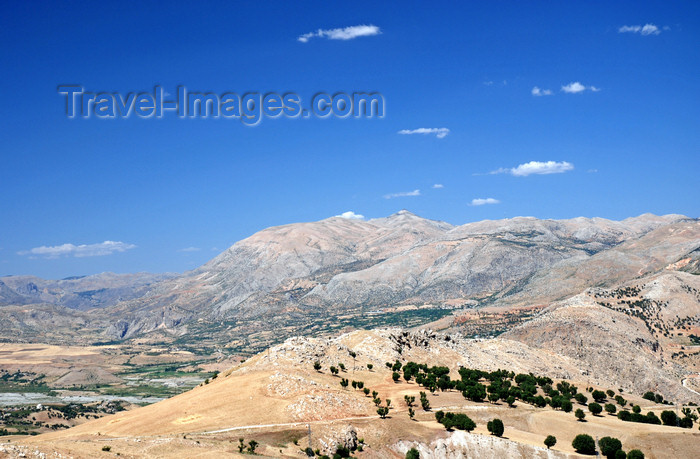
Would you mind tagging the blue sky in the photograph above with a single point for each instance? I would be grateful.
(175, 192)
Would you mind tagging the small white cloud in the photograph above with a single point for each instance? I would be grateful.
(440, 133)
(346, 33)
(541, 92)
(483, 201)
(402, 194)
(488, 83)
(438, 185)
(78, 251)
(646, 29)
(190, 249)
(351, 215)
(573, 88)
(536, 167)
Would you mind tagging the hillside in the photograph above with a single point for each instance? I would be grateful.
(275, 395)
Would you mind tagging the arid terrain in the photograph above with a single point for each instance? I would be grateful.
(274, 397)
(255, 343)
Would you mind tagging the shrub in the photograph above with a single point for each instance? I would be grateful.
(495, 426)
(317, 365)
(412, 454)
(584, 444)
(106, 448)
(686, 423)
(609, 446)
(550, 441)
(370, 366)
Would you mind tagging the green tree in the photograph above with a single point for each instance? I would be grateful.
(382, 411)
(669, 418)
(566, 406)
(595, 408)
(584, 444)
(609, 446)
(636, 409)
(317, 365)
(598, 395)
(370, 366)
(412, 454)
(510, 401)
(395, 376)
(344, 383)
(411, 413)
(409, 399)
(252, 444)
(495, 426)
(610, 408)
(424, 402)
(580, 415)
(582, 399)
(366, 390)
(635, 454)
(334, 370)
(241, 445)
(550, 441)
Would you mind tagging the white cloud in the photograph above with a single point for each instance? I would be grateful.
(82, 250)
(536, 167)
(573, 88)
(440, 133)
(347, 33)
(402, 194)
(438, 185)
(351, 215)
(482, 201)
(190, 249)
(541, 92)
(646, 29)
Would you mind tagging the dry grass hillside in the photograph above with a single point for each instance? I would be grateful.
(275, 396)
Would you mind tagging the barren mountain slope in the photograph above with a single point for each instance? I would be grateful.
(628, 336)
(82, 293)
(336, 265)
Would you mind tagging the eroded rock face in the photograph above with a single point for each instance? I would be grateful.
(460, 445)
